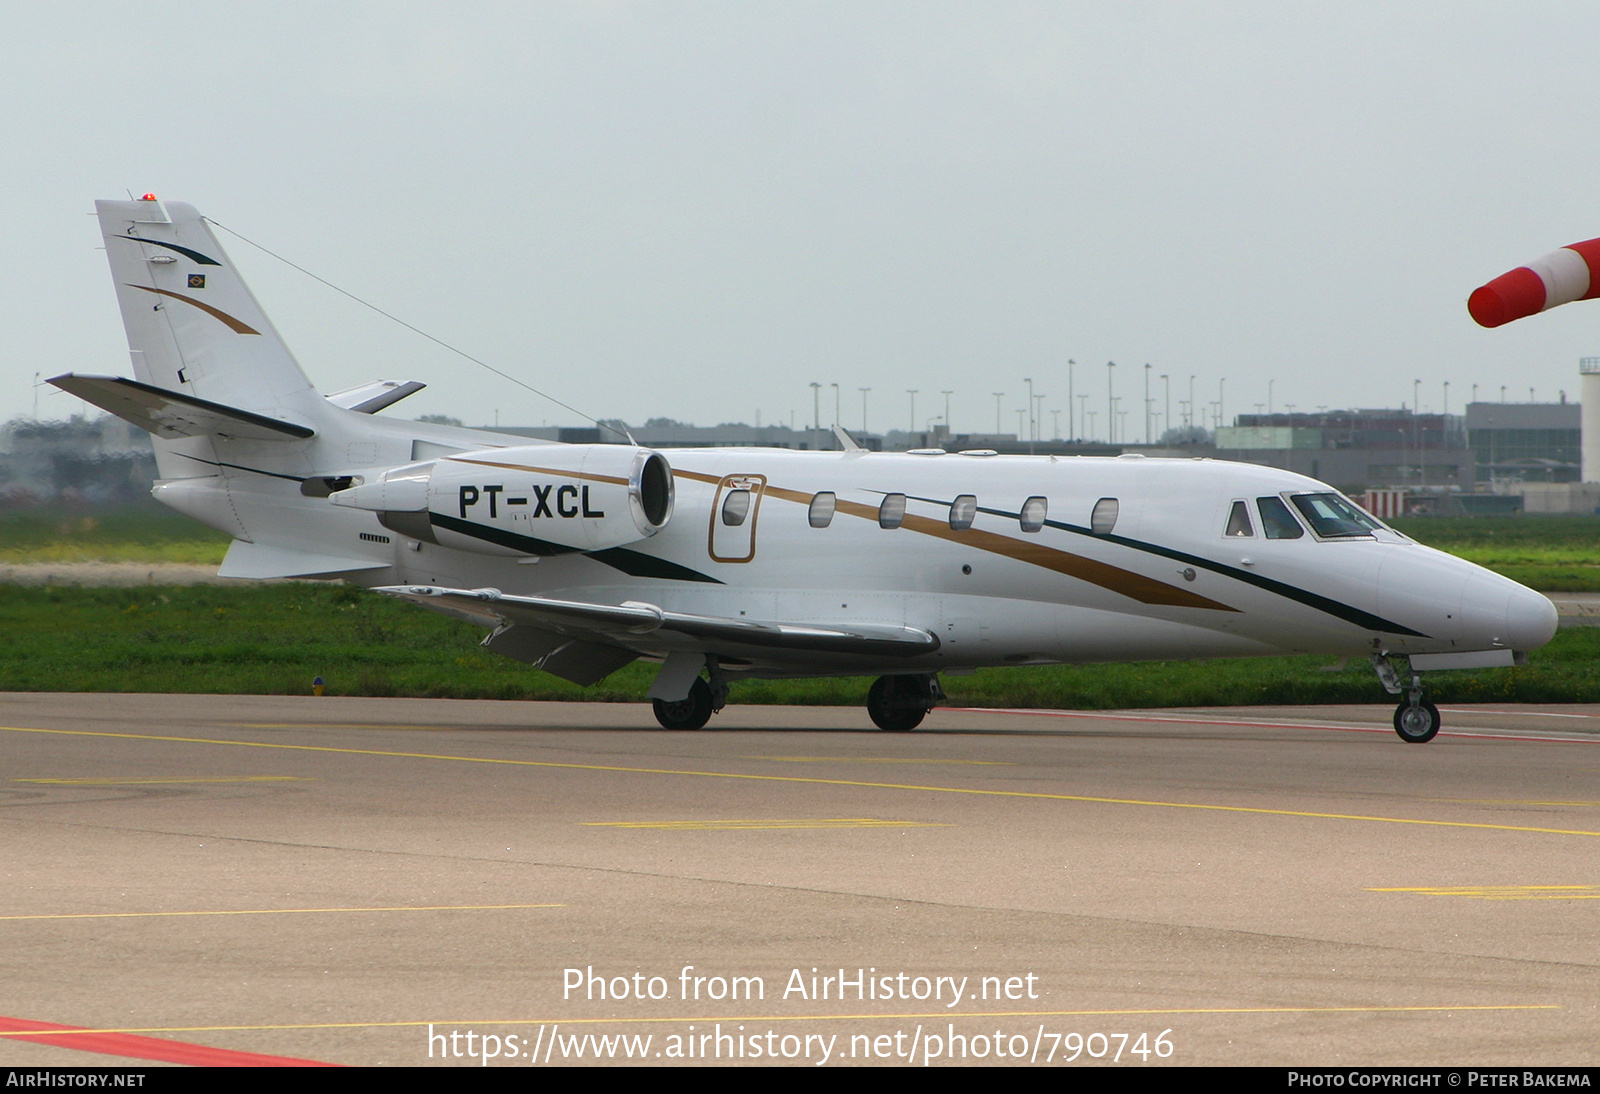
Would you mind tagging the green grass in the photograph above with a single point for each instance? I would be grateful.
(144, 533)
(272, 640)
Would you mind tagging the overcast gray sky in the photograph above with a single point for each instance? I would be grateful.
(694, 210)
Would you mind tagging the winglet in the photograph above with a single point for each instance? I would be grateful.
(846, 440)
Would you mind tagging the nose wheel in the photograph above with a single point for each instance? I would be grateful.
(1416, 722)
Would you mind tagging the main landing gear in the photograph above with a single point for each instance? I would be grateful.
(694, 710)
(899, 703)
(1416, 720)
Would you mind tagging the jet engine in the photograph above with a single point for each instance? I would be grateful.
(534, 500)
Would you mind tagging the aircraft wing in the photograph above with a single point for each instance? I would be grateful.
(626, 624)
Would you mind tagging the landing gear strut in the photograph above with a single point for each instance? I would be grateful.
(1416, 720)
(899, 703)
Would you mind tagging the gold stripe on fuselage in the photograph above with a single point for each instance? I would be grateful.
(1146, 590)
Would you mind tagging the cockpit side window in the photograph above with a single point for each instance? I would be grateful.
(1239, 521)
(1276, 520)
(1331, 516)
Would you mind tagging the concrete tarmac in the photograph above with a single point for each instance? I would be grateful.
(337, 879)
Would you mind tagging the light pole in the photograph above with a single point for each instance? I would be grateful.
(1147, 402)
(1166, 386)
(1111, 406)
(837, 419)
(1057, 415)
(997, 425)
(1038, 414)
(1083, 410)
(1029, 381)
(864, 408)
(816, 407)
(946, 395)
(1070, 363)
(912, 391)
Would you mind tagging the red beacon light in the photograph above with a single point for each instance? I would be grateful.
(148, 197)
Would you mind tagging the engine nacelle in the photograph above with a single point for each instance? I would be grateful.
(536, 500)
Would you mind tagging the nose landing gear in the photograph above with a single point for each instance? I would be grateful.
(1416, 720)
(899, 703)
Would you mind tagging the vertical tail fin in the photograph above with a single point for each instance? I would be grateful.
(193, 326)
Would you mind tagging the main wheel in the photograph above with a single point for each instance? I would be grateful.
(691, 712)
(896, 704)
(1416, 724)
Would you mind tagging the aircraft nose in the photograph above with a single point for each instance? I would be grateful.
(1530, 619)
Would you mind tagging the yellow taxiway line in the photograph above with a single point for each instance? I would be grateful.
(1032, 795)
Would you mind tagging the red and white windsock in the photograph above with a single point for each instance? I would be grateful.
(1560, 277)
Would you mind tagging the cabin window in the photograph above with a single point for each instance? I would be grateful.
(963, 511)
(892, 511)
(1332, 517)
(1276, 520)
(821, 512)
(1033, 513)
(1239, 521)
(1104, 516)
(735, 507)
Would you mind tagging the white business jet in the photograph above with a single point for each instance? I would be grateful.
(759, 563)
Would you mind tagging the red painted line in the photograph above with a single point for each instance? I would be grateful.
(142, 1048)
(1522, 713)
(1168, 719)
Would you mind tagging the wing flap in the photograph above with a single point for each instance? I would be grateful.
(627, 623)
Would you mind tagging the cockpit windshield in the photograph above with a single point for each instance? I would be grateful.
(1331, 516)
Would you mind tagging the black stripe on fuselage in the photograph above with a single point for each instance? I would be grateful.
(1350, 614)
(501, 538)
(639, 564)
(632, 563)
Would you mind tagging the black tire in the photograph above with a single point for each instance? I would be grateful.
(691, 712)
(896, 704)
(1418, 724)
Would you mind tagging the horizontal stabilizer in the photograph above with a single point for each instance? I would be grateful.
(172, 414)
(373, 397)
(257, 560)
(624, 622)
